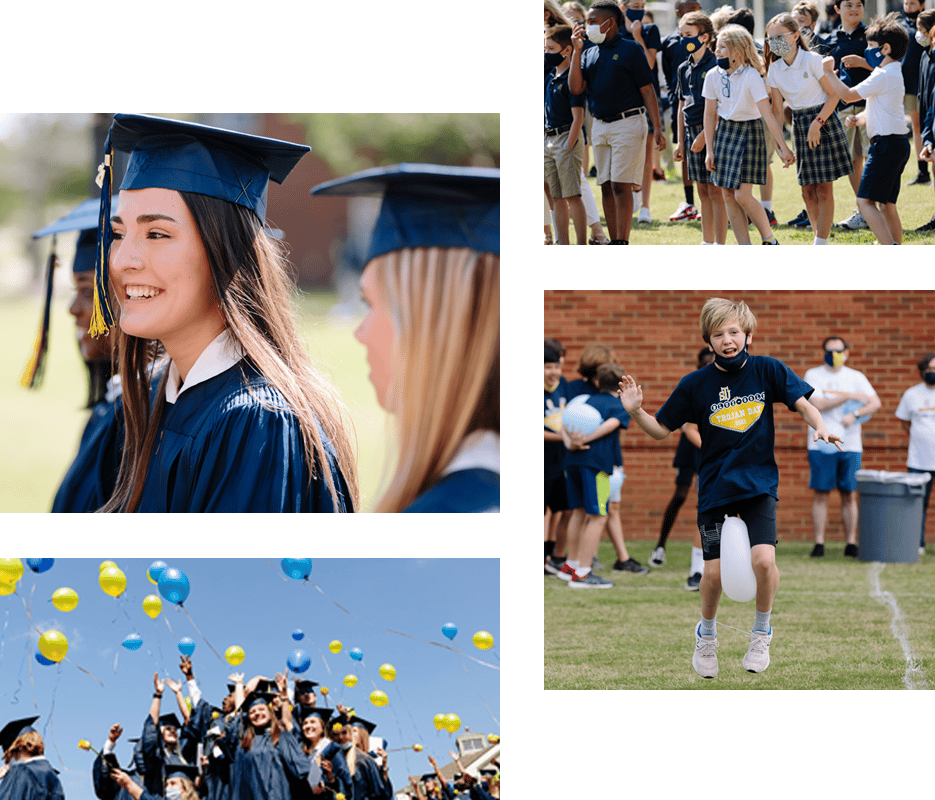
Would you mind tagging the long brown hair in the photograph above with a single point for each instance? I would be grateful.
(29, 743)
(250, 734)
(445, 304)
(252, 281)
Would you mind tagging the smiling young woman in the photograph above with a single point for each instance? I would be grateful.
(224, 410)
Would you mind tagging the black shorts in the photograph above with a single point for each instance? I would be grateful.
(758, 513)
(556, 498)
(684, 476)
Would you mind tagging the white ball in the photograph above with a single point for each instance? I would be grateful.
(581, 417)
(737, 578)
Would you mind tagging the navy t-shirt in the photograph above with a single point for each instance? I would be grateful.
(602, 454)
(689, 86)
(554, 451)
(559, 101)
(734, 415)
(615, 71)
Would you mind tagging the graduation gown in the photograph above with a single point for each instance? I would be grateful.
(232, 444)
(31, 780)
(155, 759)
(104, 786)
(368, 782)
(91, 478)
(209, 732)
(342, 781)
(467, 491)
(266, 771)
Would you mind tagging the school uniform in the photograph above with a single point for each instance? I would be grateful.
(32, 779)
(690, 78)
(888, 131)
(562, 166)
(653, 41)
(672, 55)
(910, 64)
(740, 139)
(927, 98)
(615, 71)
(555, 497)
(840, 43)
(798, 83)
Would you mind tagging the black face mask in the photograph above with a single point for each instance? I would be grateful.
(553, 59)
(929, 378)
(733, 363)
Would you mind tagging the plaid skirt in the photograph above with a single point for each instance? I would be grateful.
(697, 171)
(739, 153)
(831, 159)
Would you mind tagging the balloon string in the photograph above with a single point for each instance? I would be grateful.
(83, 670)
(116, 656)
(6, 622)
(199, 632)
(166, 618)
(51, 720)
(401, 633)
(467, 672)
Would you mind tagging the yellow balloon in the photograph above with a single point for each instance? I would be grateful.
(324, 690)
(378, 698)
(152, 605)
(417, 748)
(483, 640)
(6, 588)
(112, 581)
(492, 738)
(107, 565)
(65, 599)
(350, 680)
(234, 655)
(452, 722)
(388, 672)
(53, 645)
(11, 570)
(335, 646)
(439, 721)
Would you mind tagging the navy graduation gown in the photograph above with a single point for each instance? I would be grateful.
(232, 444)
(155, 758)
(33, 780)
(368, 782)
(266, 771)
(342, 781)
(104, 786)
(208, 731)
(475, 490)
(91, 478)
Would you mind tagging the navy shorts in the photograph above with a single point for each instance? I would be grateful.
(833, 469)
(556, 498)
(588, 489)
(758, 514)
(684, 476)
(883, 169)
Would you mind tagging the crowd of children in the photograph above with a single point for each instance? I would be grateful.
(853, 96)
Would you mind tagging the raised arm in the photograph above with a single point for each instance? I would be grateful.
(576, 81)
(176, 688)
(154, 707)
(846, 93)
(631, 395)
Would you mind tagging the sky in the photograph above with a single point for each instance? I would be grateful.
(251, 603)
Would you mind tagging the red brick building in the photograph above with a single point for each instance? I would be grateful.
(656, 337)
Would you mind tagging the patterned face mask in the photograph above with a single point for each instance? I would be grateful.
(779, 45)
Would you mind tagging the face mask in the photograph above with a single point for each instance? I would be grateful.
(347, 746)
(929, 378)
(923, 40)
(635, 16)
(873, 56)
(834, 359)
(723, 63)
(912, 14)
(733, 363)
(692, 43)
(553, 59)
(173, 793)
(780, 46)
(595, 35)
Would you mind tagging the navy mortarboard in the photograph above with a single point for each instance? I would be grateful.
(428, 205)
(169, 719)
(189, 771)
(13, 730)
(186, 157)
(324, 714)
(305, 687)
(363, 723)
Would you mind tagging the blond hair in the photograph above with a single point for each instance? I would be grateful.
(717, 312)
(719, 16)
(445, 305)
(30, 744)
(737, 39)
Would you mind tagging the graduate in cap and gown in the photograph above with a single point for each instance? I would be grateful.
(165, 741)
(104, 787)
(26, 773)
(91, 478)
(432, 281)
(180, 784)
(304, 700)
(369, 783)
(240, 420)
(207, 726)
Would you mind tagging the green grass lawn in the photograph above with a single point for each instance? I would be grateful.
(41, 429)
(831, 626)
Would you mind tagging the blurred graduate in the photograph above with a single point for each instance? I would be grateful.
(432, 333)
(26, 773)
(240, 420)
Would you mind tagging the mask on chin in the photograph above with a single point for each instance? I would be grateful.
(732, 363)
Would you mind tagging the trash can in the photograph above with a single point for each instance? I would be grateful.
(890, 516)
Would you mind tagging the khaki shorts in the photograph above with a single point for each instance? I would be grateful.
(563, 166)
(620, 149)
(858, 140)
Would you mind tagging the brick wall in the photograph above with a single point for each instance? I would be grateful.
(656, 337)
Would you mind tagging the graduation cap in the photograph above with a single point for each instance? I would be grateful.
(429, 776)
(305, 687)
(187, 157)
(189, 771)
(259, 696)
(324, 714)
(13, 730)
(428, 205)
(169, 719)
(363, 723)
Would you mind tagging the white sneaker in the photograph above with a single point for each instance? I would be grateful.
(644, 216)
(704, 659)
(658, 557)
(757, 657)
(854, 222)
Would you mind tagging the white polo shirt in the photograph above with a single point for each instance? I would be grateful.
(884, 91)
(798, 82)
(746, 90)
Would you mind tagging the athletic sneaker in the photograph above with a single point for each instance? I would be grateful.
(803, 215)
(644, 216)
(630, 565)
(685, 211)
(596, 563)
(854, 222)
(589, 581)
(658, 557)
(757, 657)
(921, 177)
(565, 573)
(693, 584)
(817, 551)
(771, 217)
(928, 226)
(552, 567)
(850, 550)
(704, 659)
(774, 240)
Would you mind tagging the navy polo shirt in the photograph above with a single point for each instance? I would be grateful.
(615, 71)
(603, 454)
(673, 54)
(653, 41)
(559, 101)
(839, 43)
(689, 86)
(554, 451)
(734, 415)
(911, 59)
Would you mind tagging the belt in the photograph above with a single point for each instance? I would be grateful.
(631, 112)
(558, 130)
(889, 136)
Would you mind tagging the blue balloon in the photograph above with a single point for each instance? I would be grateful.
(43, 660)
(156, 569)
(133, 642)
(356, 653)
(298, 634)
(186, 645)
(299, 661)
(40, 564)
(450, 630)
(298, 568)
(173, 585)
